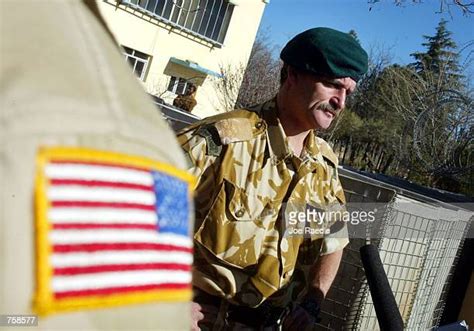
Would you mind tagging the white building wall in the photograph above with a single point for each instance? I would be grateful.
(139, 31)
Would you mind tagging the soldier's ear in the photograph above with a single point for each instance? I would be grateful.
(292, 75)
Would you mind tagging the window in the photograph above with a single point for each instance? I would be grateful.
(138, 61)
(208, 19)
(178, 85)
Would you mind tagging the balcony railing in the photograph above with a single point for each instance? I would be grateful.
(206, 19)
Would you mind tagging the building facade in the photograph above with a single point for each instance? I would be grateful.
(171, 44)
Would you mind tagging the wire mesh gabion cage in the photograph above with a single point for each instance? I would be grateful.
(419, 239)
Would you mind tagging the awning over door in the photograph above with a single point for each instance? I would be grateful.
(194, 66)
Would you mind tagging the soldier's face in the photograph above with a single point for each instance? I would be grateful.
(318, 101)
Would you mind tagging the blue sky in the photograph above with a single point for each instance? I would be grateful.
(398, 30)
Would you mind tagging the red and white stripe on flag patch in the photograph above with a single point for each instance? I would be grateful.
(111, 229)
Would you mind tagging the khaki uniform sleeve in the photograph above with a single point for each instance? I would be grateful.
(339, 236)
(196, 149)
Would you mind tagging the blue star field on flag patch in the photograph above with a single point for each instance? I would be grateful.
(171, 203)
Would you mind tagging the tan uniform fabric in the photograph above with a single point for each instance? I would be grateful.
(249, 178)
(64, 82)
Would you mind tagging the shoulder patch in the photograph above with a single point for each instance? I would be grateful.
(237, 125)
(213, 141)
(111, 229)
(226, 128)
(234, 129)
(327, 151)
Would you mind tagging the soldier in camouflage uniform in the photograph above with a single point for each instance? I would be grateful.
(186, 101)
(259, 169)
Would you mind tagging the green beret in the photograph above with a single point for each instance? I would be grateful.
(326, 52)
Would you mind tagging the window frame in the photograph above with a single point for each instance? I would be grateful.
(206, 19)
(137, 57)
(174, 85)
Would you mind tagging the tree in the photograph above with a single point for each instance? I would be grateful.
(361, 135)
(353, 33)
(436, 107)
(262, 75)
(244, 85)
(466, 6)
(228, 84)
(443, 124)
(416, 125)
(440, 57)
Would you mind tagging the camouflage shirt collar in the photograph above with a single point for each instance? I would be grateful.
(280, 147)
(311, 147)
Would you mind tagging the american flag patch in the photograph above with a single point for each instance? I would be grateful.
(111, 229)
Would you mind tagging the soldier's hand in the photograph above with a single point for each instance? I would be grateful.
(298, 320)
(196, 316)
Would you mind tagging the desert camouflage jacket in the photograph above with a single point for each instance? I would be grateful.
(251, 191)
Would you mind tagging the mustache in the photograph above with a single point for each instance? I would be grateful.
(327, 106)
